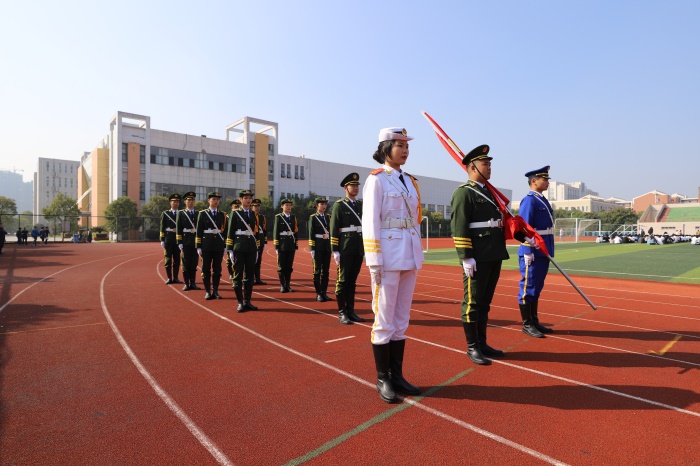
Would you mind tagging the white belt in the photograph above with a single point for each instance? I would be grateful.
(212, 230)
(548, 231)
(169, 229)
(321, 236)
(493, 223)
(351, 228)
(243, 233)
(286, 233)
(189, 230)
(397, 223)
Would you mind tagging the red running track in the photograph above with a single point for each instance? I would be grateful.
(103, 364)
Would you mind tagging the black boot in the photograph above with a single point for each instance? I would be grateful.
(324, 287)
(396, 369)
(342, 314)
(247, 293)
(239, 296)
(287, 281)
(169, 273)
(215, 288)
(207, 288)
(193, 279)
(382, 356)
(186, 277)
(317, 287)
(176, 273)
(350, 306)
(473, 350)
(283, 282)
(536, 320)
(528, 327)
(486, 350)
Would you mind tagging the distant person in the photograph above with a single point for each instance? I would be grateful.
(18, 234)
(651, 231)
(35, 235)
(286, 243)
(3, 233)
(89, 236)
(25, 236)
(534, 265)
(561, 234)
(42, 235)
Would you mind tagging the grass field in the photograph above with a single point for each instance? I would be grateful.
(679, 263)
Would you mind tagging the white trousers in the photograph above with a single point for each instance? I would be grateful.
(391, 304)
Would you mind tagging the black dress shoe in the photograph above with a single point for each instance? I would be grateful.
(354, 317)
(250, 307)
(343, 318)
(208, 296)
(260, 282)
(241, 308)
(476, 357)
(194, 287)
(486, 350)
(186, 287)
(176, 280)
(283, 289)
(532, 331)
(325, 296)
(320, 299)
(217, 295)
(543, 329)
(289, 288)
(168, 281)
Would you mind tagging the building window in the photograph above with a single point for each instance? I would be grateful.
(252, 147)
(289, 170)
(171, 161)
(125, 155)
(296, 172)
(125, 188)
(221, 166)
(282, 172)
(302, 173)
(180, 162)
(142, 154)
(142, 191)
(192, 161)
(270, 150)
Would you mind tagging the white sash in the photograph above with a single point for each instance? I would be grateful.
(171, 219)
(544, 204)
(214, 223)
(353, 211)
(246, 224)
(288, 227)
(403, 195)
(323, 226)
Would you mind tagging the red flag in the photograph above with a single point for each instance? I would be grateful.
(513, 223)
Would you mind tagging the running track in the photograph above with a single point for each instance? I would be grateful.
(103, 364)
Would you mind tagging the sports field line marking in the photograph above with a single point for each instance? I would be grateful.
(339, 371)
(339, 339)
(668, 346)
(2, 308)
(207, 443)
(610, 308)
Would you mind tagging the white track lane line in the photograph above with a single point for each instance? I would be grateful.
(201, 437)
(441, 415)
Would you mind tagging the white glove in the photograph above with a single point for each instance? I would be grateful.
(375, 272)
(181, 246)
(162, 244)
(469, 266)
(264, 244)
(230, 254)
(199, 252)
(529, 258)
(336, 257)
(277, 251)
(313, 254)
(531, 242)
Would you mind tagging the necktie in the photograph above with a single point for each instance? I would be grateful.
(402, 181)
(191, 212)
(213, 212)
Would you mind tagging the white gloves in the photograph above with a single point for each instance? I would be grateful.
(230, 254)
(375, 272)
(181, 246)
(313, 254)
(199, 252)
(162, 244)
(529, 258)
(336, 257)
(469, 266)
(277, 251)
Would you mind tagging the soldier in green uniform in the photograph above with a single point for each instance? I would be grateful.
(477, 230)
(320, 246)
(262, 239)
(168, 240)
(242, 248)
(286, 243)
(185, 233)
(347, 247)
(235, 205)
(210, 241)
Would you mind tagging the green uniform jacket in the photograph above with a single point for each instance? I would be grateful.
(236, 237)
(262, 231)
(317, 243)
(343, 217)
(211, 241)
(188, 222)
(485, 243)
(285, 242)
(168, 223)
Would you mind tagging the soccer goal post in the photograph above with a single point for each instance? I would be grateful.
(571, 229)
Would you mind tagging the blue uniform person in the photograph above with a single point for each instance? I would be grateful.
(534, 265)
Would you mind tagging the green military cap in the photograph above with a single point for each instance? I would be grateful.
(175, 197)
(189, 195)
(245, 192)
(352, 178)
(213, 194)
(256, 202)
(235, 203)
(286, 201)
(321, 200)
(478, 153)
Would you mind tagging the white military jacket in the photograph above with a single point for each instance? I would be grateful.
(391, 232)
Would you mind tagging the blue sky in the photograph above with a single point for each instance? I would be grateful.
(606, 92)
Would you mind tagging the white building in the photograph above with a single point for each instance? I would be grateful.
(54, 176)
(559, 191)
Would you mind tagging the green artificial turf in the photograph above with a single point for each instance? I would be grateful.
(678, 263)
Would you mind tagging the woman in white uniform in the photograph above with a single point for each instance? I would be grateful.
(393, 251)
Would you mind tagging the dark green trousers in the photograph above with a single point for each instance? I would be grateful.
(479, 291)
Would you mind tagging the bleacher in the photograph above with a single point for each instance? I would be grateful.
(683, 214)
